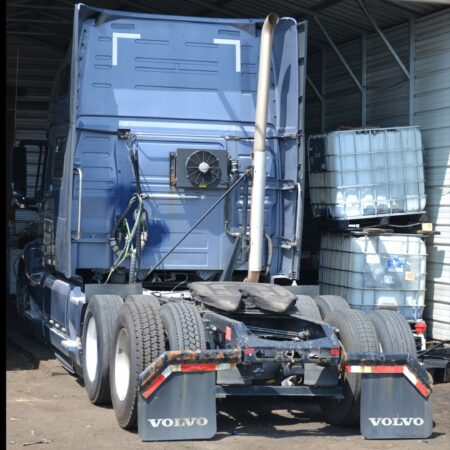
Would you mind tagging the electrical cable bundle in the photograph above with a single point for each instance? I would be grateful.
(126, 242)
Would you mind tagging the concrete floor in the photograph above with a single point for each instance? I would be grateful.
(48, 408)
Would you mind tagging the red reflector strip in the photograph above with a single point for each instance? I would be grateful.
(422, 389)
(387, 369)
(228, 333)
(416, 382)
(207, 367)
(153, 386)
(202, 367)
(374, 369)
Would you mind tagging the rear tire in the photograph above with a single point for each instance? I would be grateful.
(330, 303)
(393, 331)
(183, 326)
(307, 308)
(146, 299)
(357, 334)
(138, 340)
(98, 328)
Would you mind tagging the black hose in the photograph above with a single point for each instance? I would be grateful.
(137, 254)
(135, 163)
(245, 174)
(136, 232)
(113, 240)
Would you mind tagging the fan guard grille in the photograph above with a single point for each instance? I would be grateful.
(202, 168)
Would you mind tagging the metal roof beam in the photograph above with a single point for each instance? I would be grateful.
(402, 10)
(39, 29)
(314, 88)
(48, 21)
(384, 39)
(47, 13)
(17, 13)
(325, 16)
(22, 6)
(53, 44)
(138, 6)
(33, 33)
(325, 5)
(211, 7)
(339, 54)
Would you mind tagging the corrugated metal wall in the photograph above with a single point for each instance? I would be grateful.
(387, 86)
(387, 105)
(432, 113)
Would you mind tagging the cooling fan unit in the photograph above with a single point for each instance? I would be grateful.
(202, 168)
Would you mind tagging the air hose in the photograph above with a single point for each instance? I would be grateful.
(133, 240)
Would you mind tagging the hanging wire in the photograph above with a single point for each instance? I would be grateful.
(135, 238)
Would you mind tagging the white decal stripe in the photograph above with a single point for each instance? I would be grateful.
(235, 42)
(408, 374)
(224, 366)
(115, 37)
(360, 369)
(167, 371)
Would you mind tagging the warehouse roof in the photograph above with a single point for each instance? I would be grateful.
(47, 22)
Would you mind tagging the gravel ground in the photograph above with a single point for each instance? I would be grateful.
(49, 409)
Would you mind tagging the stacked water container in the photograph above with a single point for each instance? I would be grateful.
(382, 271)
(356, 175)
(366, 173)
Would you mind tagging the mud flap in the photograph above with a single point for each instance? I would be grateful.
(395, 396)
(177, 399)
(182, 408)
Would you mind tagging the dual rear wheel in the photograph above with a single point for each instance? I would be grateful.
(142, 333)
(138, 339)
(359, 332)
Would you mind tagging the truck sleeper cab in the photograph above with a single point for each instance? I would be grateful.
(180, 95)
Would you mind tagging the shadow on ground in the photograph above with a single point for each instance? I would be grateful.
(23, 351)
(273, 417)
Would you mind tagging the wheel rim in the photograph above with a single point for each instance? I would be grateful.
(122, 364)
(91, 350)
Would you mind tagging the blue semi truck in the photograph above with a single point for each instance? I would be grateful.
(170, 229)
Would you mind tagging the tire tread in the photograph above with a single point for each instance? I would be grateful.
(189, 331)
(149, 345)
(393, 331)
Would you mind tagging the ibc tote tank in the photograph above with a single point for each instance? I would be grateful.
(366, 173)
(373, 272)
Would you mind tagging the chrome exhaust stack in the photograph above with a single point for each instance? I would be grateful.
(259, 151)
